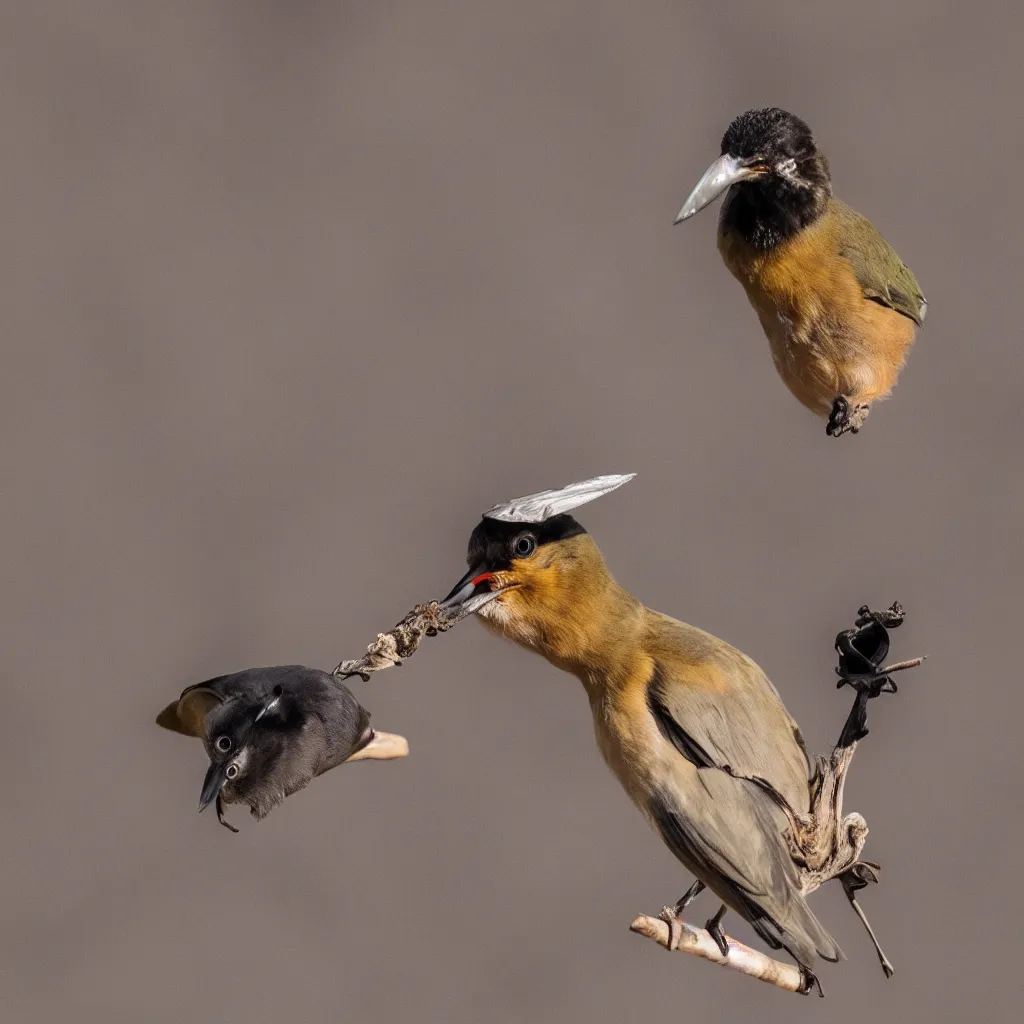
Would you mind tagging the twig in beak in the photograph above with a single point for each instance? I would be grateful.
(404, 640)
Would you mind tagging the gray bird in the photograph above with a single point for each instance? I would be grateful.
(269, 731)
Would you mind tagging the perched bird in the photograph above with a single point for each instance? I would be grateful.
(839, 307)
(684, 721)
(269, 731)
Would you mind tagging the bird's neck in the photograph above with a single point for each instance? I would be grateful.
(767, 212)
(599, 640)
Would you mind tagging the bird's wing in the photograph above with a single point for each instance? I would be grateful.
(882, 275)
(720, 710)
(731, 835)
(729, 828)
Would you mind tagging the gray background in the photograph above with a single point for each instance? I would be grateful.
(293, 291)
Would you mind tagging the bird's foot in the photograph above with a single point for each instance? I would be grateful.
(846, 417)
(714, 927)
(673, 916)
(810, 982)
(670, 915)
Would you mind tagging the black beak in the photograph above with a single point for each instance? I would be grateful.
(473, 591)
(467, 587)
(212, 785)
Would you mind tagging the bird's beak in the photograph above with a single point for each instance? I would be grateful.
(212, 785)
(477, 588)
(725, 171)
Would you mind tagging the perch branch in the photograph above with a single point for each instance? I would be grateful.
(740, 957)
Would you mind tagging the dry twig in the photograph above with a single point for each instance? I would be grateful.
(403, 640)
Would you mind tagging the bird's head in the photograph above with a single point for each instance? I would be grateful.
(257, 752)
(770, 161)
(533, 569)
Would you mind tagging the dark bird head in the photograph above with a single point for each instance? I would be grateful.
(269, 731)
(777, 179)
(534, 570)
(258, 751)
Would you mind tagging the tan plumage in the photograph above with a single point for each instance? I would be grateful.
(683, 719)
(839, 307)
(830, 333)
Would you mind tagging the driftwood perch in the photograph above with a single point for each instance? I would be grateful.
(403, 640)
(823, 842)
(740, 957)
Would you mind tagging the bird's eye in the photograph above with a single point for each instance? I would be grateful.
(232, 771)
(223, 743)
(524, 545)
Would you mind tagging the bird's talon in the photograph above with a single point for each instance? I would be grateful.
(675, 927)
(839, 417)
(810, 982)
(714, 929)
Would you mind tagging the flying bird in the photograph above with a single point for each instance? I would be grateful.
(839, 307)
(690, 726)
(269, 731)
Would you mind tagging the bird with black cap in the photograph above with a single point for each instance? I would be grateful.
(839, 307)
(268, 732)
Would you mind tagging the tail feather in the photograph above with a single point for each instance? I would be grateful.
(801, 934)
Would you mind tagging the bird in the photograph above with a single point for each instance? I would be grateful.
(269, 731)
(839, 307)
(691, 727)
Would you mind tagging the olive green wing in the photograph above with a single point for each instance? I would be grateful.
(883, 276)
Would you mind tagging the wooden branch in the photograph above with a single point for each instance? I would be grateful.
(741, 958)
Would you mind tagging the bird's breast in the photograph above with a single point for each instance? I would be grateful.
(633, 746)
(810, 306)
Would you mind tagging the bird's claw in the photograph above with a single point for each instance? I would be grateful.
(809, 982)
(671, 917)
(714, 929)
(846, 418)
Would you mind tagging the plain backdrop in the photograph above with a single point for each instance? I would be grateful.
(292, 292)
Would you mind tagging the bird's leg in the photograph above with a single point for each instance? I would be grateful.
(689, 896)
(810, 982)
(846, 416)
(714, 927)
(857, 878)
(220, 815)
(672, 915)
